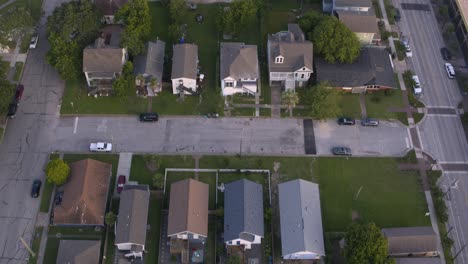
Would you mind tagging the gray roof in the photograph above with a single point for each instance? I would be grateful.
(243, 210)
(184, 61)
(238, 61)
(133, 216)
(79, 251)
(297, 51)
(109, 7)
(410, 240)
(359, 22)
(152, 62)
(353, 3)
(103, 60)
(373, 67)
(414, 260)
(300, 218)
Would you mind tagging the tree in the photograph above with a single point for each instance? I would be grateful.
(125, 82)
(322, 101)
(335, 42)
(178, 11)
(158, 181)
(15, 24)
(290, 98)
(65, 57)
(110, 218)
(136, 16)
(57, 171)
(309, 21)
(238, 16)
(233, 260)
(365, 244)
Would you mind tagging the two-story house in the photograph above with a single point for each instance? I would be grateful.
(289, 58)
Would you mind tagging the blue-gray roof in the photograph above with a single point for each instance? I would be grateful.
(243, 210)
(301, 218)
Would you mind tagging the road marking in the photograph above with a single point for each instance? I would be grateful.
(76, 125)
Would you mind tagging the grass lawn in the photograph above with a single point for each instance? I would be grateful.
(210, 245)
(417, 117)
(152, 236)
(243, 111)
(35, 244)
(388, 197)
(276, 21)
(34, 6)
(166, 103)
(378, 104)
(265, 112)
(349, 105)
(2, 130)
(18, 70)
(160, 21)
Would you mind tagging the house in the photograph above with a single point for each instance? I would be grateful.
(300, 220)
(417, 261)
(352, 5)
(188, 218)
(289, 58)
(150, 67)
(420, 241)
(130, 229)
(79, 251)
(243, 214)
(184, 68)
(372, 71)
(239, 70)
(84, 194)
(109, 8)
(362, 23)
(103, 62)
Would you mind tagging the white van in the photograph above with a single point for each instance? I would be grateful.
(450, 70)
(417, 85)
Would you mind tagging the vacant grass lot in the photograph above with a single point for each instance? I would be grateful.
(379, 103)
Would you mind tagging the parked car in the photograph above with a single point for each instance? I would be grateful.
(341, 151)
(19, 92)
(120, 183)
(369, 122)
(347, 121)
(408, 51)
(397, 15)
(33, 43)
(446, 55)
(100, 147)
(149, 117)
(450, 70)
(417, 85)
(12, 110)
(36, 188)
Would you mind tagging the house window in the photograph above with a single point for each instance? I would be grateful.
(302, 76)
(229, 84)
(230, 242)
(303, 69)
(295, 74)
(279, 59)
(238, 242)
(308, 75)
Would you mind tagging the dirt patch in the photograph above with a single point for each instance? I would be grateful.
(354, 215)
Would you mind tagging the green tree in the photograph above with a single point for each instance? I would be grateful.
(110, 218)
(158, 181)
(125, 82)
(233, 260)
(239, 15)
(57, 171)
(290, 98)
(7, 91)
(365, 244)
(335, 42)
(65, 56)
(178, 11)
(309, 21)
(137, 19)
(322, 101)
(15, 24)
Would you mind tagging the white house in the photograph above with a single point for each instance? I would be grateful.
(243, 214)
(184, 69)
(239, 70)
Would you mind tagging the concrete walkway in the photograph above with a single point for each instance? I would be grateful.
(6, 4)
(362, 103)
(125, 162)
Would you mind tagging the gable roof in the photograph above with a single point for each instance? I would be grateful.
(109, 7)
(133, 215)
(85, 194)
(184, 61)
(373, 67)
(238, 61)
(359, 22)
(410, 239)
(353, 3)
(152, 61)
(79, 251)
(188, 208)
(297, 51)
(103, 60)
(300, 218)
(243, 210)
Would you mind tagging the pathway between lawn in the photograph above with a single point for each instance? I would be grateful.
(125, 162)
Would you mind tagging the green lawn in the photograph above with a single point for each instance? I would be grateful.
(152, 236)
(2, 130)
(34, 6)
(166, 103)
(18, 70)
(36, 243)
(379, 103)
(51, 250)
(349, 105)
(276, 21)
(388, 197)
(160, 21)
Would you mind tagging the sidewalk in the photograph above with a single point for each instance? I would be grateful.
(125, 162)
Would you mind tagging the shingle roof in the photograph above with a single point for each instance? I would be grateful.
(243, 210)
(353, 3)
(414, 260)
(238, 60)
(85, 194)
(188, 208)
(300, 218)
(410, 239)
(79, 251)
(359, 22)
(152, 61)
(184, 61)
(103, 60)
(133, 216)
(373, 67)
(109, 7)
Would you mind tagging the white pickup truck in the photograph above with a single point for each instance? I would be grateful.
(100, 147)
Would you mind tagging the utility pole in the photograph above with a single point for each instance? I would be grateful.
(456, 255)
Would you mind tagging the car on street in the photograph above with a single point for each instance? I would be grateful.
(149, 117)
(100, 147)
(36, 188)
(450, 70)
(446, 55)
(19, 92)
(346, 121)
(408, 51)
(341, 151)
(369, 122)
(34, 39)
(12, 110)
(397, 15)
(417, 85)
(120, 183)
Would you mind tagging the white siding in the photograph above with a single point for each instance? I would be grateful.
(189, 83)
(302, 255)
(247, 244)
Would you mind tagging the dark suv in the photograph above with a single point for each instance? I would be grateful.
(149, 117)
(445, 53)
(36, 188)
(12, 110)
(347, 121)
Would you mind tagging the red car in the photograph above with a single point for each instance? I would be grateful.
(120, 183)
(19, 92)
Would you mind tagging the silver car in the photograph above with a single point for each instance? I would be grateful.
(341, 151)
(369, 122)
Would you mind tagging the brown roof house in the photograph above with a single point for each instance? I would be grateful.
(130, 230)
(188, 217)
(84, 195)
(184, 68)
(103, 62)
(289, 58)
(362, 23)
(420, 241)
(239, 70)
(109, 8)
(79, 251)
